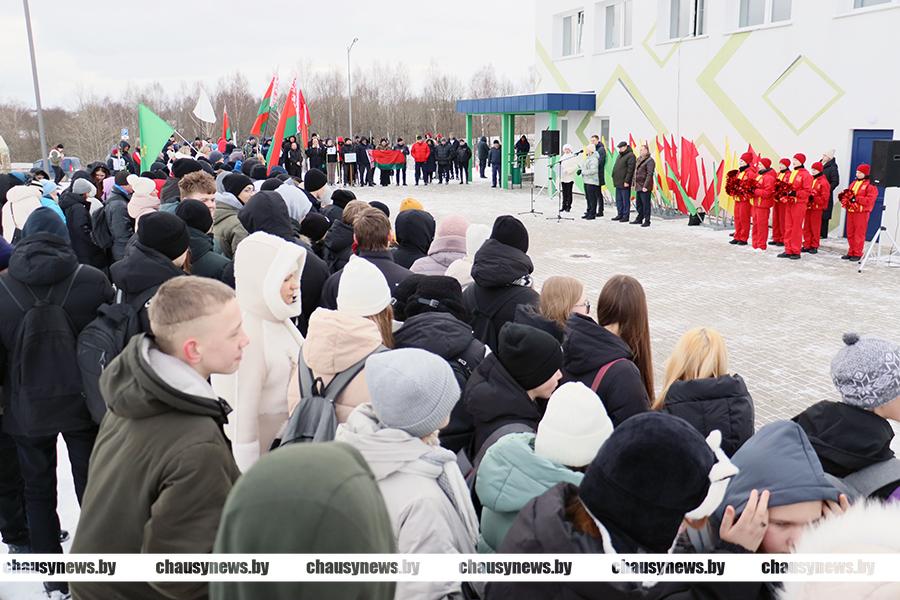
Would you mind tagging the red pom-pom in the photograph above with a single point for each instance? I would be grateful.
(782, 190)
(732, 183)
(846, 200)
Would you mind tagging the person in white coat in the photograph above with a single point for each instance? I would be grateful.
(413, 392)
(568, 168)
(21, 201)
(267, 274)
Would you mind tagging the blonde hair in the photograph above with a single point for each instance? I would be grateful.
(181, 300)
(385, 322)
(198, 182)
(352, 210)
(699, 354)
(559, 295)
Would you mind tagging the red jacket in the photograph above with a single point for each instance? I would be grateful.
(802, 182)
(765, 191)
(420, 151)
(866, 194)
(820, 193)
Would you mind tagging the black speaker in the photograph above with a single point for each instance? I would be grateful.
(550, 142)
(886, 163)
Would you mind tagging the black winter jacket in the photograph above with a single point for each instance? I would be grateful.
(493, 297)
(832, 174)
(337, 246)
(205, 262)
(317, 157)
(41, 261)
(121, 225)
(483, 149)
(78, 222)
(415, 232)
(451, 339)
(588, 347)
(494, 399)
(443, 153)
(463, 154)
(141, 273)
(721, 403)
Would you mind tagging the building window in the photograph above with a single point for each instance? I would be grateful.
(761, 12)
(563, 132)
(867, 3)
(687, 18)
(614, 23)
(572, 29)
(604, 129)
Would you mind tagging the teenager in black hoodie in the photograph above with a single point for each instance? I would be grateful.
(415, 232)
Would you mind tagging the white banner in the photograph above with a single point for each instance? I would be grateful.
(450, 567)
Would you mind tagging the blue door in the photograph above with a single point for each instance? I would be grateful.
(862, 153)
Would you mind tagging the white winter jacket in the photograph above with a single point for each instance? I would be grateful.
(258, 391)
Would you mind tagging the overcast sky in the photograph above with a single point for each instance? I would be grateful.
(104, 46)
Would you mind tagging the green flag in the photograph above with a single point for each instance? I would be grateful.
(154, 133)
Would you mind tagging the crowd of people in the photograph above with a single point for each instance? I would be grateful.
(205, 318)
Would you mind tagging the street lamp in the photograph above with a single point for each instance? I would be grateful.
(349, 86)
(37, 89)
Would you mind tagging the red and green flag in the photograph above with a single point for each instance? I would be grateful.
(226, 126)
(265, 107)
(389, 160)
(287, 126)
(305, 118)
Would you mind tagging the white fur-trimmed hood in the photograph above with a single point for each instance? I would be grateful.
(261, 263)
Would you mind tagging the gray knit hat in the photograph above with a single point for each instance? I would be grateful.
(867, 371)
(83, 186)
(411, 389)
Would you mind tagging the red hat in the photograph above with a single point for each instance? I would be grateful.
(817, 166)
(747, 157)
(801, 158)
(785, 161)
(863, 168)
(766, 162)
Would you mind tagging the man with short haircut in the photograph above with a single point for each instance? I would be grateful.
(161, 467)
(371, 232)
(201, 186)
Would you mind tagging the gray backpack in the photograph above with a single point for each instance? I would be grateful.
(314, 419)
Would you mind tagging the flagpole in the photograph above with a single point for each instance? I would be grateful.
(37, 90)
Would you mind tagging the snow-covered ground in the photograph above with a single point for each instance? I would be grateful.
(782, 320)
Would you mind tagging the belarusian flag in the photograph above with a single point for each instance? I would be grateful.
(287, 126)
(305, 119)
(262, 115)
(389, 160)
(226, 126)
(154, 133)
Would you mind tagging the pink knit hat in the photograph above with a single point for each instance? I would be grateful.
(452, 225)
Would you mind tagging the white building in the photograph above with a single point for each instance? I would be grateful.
(786, 76)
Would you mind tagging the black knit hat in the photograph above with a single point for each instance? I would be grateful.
(225, 166)
(437, 293)
(314, 180)
(510, 231)
(259, 172)
(382, 207)
(342, 197)
(531, 356)
(314, 226)
(248, 165)
(183, 166)
(195, 214)
(402, 292)
(270, 185)
(235, 183)
(652, 470)
(165, 233)
(122, 177)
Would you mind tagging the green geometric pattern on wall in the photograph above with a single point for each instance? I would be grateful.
(548, 63)
(620, 76)
(727, 106)
(659, 61)
(798, 62)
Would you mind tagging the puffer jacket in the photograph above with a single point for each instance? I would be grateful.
(335, 342)
(259, 390)
(623, 169)
(443, 251)
(227, 228)
(510, 476)
(427, 517)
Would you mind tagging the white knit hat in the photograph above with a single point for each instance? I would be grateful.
(363, 291)
(142, 186)
(574, 426)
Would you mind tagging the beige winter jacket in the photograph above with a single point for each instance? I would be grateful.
(258, 391)
(334, 342)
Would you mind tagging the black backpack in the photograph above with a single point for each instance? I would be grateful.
(45, 384)
(101, 234)
(102, 340)
(314, 419)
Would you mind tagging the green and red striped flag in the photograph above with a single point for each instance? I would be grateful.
(389, 160)
(305, 118)
(265, 107)
(287, 125)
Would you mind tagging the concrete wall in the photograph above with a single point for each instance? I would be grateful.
(801, 85)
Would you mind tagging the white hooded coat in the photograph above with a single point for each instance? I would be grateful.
(258, 391)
